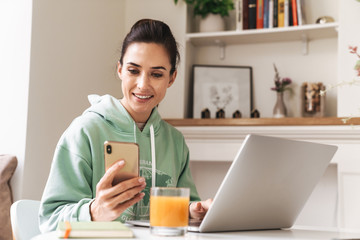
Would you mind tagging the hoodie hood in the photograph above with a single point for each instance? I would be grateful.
(112, 111)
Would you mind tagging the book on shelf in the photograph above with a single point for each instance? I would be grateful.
(239, 15)
(93, 230)
(259, 14)
(286, 13)
(271, 13)
(266, 13)
(245, 14)
(275, 15)
(252, 14)
(300, 13)
(294, 12)
(281, 7)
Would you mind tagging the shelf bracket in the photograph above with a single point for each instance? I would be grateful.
(305, 44)
(221, 46)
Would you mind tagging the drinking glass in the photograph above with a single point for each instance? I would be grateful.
(169, 211)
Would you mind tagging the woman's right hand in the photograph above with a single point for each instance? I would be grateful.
(111, 201)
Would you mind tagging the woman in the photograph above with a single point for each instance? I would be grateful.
(78, 188)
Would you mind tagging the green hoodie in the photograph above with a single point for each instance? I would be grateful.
(78, 162)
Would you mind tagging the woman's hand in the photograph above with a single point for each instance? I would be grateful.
(111, 201)
(199, 209)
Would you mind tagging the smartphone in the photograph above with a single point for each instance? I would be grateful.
(129, 152)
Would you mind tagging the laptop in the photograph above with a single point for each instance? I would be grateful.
(267, 185)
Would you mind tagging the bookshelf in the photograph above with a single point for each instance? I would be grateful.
(303, 34)
(310, 32)
(306, 53)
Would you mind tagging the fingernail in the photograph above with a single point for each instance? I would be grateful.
(141, 179)
(142, 194)
(121, 162)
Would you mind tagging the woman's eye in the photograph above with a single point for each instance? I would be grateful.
(157, 75)
(133, 71)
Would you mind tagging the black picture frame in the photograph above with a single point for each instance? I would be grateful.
(222, 88)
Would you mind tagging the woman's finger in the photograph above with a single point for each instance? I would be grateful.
(110, 174)
(122, 207)
(129, 194)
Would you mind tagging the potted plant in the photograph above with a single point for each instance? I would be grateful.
(212, 13)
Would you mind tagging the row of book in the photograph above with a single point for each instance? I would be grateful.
(258, 14)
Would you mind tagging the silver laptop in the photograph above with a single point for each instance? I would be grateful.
(267, 185)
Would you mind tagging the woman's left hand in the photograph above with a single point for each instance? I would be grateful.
(199, 209)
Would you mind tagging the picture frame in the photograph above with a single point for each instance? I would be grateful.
(217, 87)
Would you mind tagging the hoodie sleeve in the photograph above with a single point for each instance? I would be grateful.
(185, 179)
(68, 192)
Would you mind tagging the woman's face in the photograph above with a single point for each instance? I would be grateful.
(145, 76)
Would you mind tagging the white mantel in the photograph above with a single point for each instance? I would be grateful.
(212, 148)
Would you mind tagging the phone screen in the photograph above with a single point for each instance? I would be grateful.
(129, 152)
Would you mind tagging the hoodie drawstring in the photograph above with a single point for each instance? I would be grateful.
(153, 159)
(135, 132)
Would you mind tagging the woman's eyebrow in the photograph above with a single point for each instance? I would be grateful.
(134, 64)
(159, 67)
(156, 67)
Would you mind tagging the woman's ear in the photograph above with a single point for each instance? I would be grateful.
(172, 78)
(119, 69)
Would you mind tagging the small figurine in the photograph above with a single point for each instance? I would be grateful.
(205, 113)
(236, 114)
(255, 113)
(220, 113)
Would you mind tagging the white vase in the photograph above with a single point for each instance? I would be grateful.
(279, 110)
(212, 23)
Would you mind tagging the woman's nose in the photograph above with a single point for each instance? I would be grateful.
(142, 81)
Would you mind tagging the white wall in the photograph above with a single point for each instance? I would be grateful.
(348, 96)
(15, 33)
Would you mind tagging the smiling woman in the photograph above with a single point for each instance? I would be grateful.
(78, 188)
(145, 76)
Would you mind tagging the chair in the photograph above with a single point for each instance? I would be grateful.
(24, 219)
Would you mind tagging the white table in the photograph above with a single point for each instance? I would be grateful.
(293, 233)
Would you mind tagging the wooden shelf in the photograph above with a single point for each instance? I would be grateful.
(326, 121)
(294, 33)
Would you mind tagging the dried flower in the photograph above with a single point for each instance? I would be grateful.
(353, 50)
(355, 81)
(281, 84)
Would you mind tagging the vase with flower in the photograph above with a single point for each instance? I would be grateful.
(281, 85)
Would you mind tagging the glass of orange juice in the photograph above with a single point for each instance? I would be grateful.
(169, 211)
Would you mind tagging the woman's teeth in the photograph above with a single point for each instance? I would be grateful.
(142, 97)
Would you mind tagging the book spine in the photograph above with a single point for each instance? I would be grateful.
(281, 5)
(252, 14)
(299, 12)
(266, 13)
(294, 12)
(286, 13)
(245, 10)
(290, 14)
(259, 14)
(239, 15)
(271, 13)
(275, 15)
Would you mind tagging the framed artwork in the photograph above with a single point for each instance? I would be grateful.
(222, 91)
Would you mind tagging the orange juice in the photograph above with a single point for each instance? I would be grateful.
(169, 211)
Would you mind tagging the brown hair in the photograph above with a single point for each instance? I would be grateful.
(153, 31)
